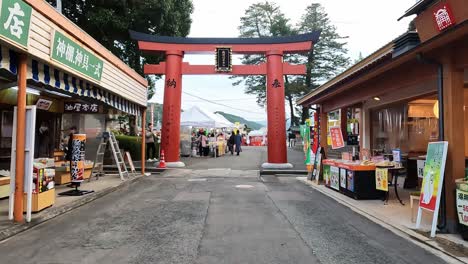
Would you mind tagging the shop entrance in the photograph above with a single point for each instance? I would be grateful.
(173, 68)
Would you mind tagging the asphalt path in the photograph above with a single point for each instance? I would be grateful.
(212, 216)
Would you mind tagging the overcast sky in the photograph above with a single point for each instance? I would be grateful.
(369, 24)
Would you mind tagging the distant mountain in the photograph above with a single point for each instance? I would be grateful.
(234, 118)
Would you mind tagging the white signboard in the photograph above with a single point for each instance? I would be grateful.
(462, 207)
(420, 165)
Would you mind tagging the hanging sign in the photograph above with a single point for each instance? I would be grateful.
(223, 59)
(78, 157)
(432, 181)
(78, 107)
(43, 104)
(15, 20)
(443, 16)
(336, 137)
(73, 55)
(381, 179)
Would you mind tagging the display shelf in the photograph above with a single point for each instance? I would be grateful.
(40, 201)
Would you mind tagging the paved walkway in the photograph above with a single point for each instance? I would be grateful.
(251, 158)
(212, 216)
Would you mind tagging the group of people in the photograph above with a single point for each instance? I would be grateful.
(201, 142)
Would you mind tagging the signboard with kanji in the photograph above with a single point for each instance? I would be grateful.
(336, 137)
(223, 59)
(70, 53)
(462, 207)
(443, 16)
(15, 19)
(78, 157)
(78, 107)
(381, 179)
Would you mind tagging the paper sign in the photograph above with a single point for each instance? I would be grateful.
(396, 155)
(343, 178)
(381, 179)
(336, 137)
(420, 166)
(462, 207)
(326, 174)
(335, 178)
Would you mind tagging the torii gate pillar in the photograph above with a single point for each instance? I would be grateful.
(170, 131)
(277, 153)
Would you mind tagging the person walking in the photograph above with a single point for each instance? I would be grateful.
(150, 148)
(237, 141)
(231, 142)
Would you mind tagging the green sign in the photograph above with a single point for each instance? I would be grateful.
(68, 52)
(15, 18)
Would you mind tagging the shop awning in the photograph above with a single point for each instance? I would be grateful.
(54, 78)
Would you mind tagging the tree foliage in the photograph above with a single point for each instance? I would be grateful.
(326, 59)
(108, 21)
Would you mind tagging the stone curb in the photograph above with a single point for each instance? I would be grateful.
(283, 172)
(397, 229)
(57, 211)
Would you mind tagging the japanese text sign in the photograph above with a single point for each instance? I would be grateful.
(381, 179)
(336, 137)
(15, 19)
(433, 175)
(76, 107)
(462, 207)
(78, 157)
(223, 59)
(443, 16)
(68, 52)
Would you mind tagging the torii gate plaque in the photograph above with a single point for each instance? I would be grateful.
(173, 68)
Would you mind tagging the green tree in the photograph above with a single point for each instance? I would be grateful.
(325, 60)
(327, 57)
(108, 21)
(264, 20)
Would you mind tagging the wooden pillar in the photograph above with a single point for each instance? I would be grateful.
(323, 130)
(20, 138)
(453, 127)
(143, 140)
(344, 123)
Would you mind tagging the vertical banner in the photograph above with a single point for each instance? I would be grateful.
(78, 158)
(306, 139)
(336, 137)
(381, 179)
(432, 181)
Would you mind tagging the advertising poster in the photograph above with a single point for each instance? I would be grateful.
(350, 178)
(335, 177)
(78, 157)
(326, 174)
(381, 179)
(343, 178)
(462, 207)
(336, 137)
(396, 153)
(433, 175)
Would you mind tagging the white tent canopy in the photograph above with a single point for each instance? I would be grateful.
(198, 117)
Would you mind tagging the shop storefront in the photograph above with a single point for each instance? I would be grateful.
(409, 93)
(47, 62)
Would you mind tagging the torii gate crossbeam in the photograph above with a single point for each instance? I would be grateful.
(173, 68)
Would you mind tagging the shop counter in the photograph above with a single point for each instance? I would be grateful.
(4, 187)
(352, 179)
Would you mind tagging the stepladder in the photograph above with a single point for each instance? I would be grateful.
(108, 138)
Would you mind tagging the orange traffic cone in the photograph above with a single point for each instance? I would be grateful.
(162, 161)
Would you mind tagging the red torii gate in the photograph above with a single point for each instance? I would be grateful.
(173, 68)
